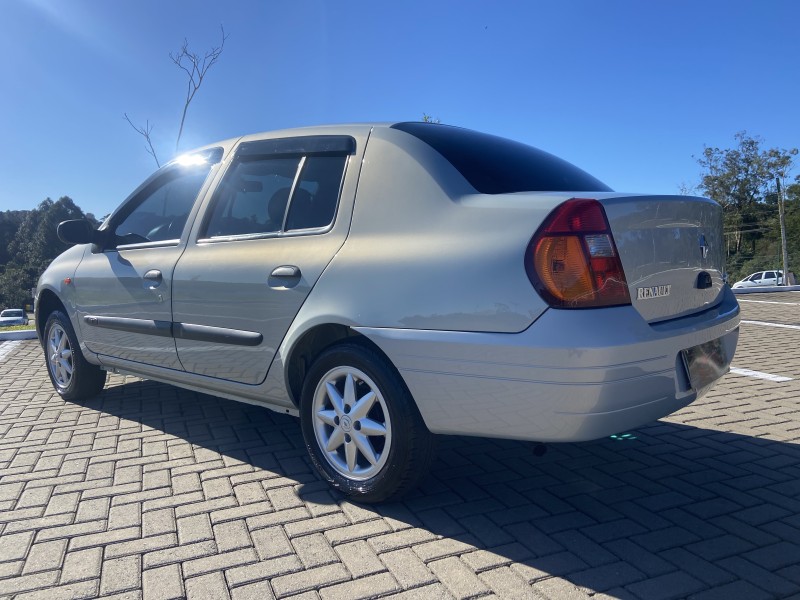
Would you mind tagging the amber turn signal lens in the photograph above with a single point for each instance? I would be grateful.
(572, 260)
(562, 268)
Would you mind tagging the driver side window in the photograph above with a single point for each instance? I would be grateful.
(161, 211)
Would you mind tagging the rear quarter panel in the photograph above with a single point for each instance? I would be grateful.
(425, 251)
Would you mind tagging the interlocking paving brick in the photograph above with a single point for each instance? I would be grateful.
(434, 591)
(71, 591)
(767, 580)
(123, 516)
(70, 531)
(157, 522)
(163, 583)
(443, 548)
(83, 564)
(309, 579)
(45, 556)
(561, 563)
(481, 560)
(505, 583)
(104, 538)
(359, 559)
(220, 561)
(194, 528)
(775, 556)
(260, 590)
(314, 550)
(181, 553)
(666, 587)
(401, 539)
(367, 587)
(207, 587)
(120, 574)
(407, 568)
(141, 545)
(265, 569)
(605, 577)
(553, 587)
(458, 578)
(15, 545)
(704, 500)
(62, 503)
(359, 531)
(37, 496)
(232, 535)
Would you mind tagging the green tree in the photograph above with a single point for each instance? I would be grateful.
(742, 180)
(33, 246)
(10, 221)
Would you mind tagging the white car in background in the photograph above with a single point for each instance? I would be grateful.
(13, 316)
(760, 279)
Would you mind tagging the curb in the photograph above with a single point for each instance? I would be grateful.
(25, 334)
(767, 289)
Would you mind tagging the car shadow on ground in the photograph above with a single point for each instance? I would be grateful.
(667, 507)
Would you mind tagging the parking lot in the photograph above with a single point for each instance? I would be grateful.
(156, 492)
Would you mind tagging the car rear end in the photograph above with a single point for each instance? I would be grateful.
(630, 318)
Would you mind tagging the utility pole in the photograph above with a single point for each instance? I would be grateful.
(781, 213)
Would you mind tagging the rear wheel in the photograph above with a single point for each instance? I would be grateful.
(73, 377)
(361, 426)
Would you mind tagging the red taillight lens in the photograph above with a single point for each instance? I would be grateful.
(572, 260)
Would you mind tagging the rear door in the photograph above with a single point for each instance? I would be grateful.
(270, 229)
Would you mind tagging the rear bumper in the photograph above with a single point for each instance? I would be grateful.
(571, 376)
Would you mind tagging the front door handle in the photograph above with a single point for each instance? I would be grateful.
(153, 279)
(286, 271)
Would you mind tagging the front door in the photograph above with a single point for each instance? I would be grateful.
(123, 290)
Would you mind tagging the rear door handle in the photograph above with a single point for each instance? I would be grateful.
(286, 271)
(153, 279)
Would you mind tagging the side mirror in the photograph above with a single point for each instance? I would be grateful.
(79, 231)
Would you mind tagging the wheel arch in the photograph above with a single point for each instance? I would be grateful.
(311, 344)
(47, 302)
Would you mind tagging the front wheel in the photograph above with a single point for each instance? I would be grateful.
(72, 375)
(361, 426)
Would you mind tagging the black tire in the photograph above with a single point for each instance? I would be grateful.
(85, 380)
(410, 444)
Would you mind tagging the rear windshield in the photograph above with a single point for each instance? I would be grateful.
(495, 165)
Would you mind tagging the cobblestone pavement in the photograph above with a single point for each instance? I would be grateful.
(150, 491)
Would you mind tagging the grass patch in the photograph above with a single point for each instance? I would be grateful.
(17, 328)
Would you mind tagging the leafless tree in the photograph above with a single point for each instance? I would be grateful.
(145, 133)
(196, 67)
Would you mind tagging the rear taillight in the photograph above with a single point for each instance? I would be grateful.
(572, 260)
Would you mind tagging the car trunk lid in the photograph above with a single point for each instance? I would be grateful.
(671, 248)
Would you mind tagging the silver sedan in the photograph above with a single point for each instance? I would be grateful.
(390, 282)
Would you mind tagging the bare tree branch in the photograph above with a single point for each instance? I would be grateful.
(195, 68)
(145, 133)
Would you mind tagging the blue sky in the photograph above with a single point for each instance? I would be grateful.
(629, 91)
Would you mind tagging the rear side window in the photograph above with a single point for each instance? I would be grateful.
(253, 197)
(267, 194)
(317, 192)
(495, 165)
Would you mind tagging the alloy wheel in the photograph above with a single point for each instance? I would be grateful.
(59, 356)
(351, 423)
